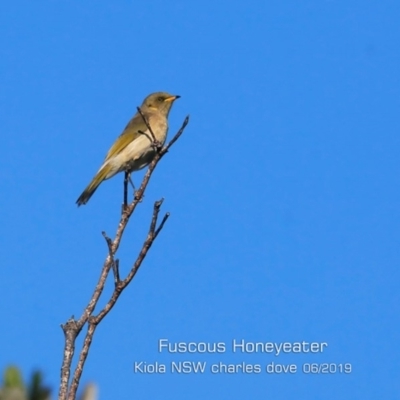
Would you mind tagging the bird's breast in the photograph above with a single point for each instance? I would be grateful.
(159, 126)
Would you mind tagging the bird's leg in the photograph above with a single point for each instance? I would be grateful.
(126, 178)
(157, 145)
(133, 186)
(134, 189)
(130, 180)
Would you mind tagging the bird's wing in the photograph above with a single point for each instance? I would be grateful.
(130, 133)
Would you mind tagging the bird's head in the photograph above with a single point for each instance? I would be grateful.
(159, 101)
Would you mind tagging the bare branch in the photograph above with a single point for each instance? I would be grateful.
(73, 327)
(177, 136)
(156, 210)
(82, 358)
(114, 263)
(151, 236)
(115, 268)
(71, 330)
(164, 220)
(109, 243)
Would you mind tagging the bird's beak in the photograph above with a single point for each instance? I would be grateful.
(172, 98)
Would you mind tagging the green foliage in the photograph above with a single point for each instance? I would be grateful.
(13, 387)
(37, 391)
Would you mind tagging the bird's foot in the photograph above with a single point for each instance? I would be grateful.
(137, 196)
(124, 208)
(156, 145)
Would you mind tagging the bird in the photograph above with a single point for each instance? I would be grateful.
(134, 149)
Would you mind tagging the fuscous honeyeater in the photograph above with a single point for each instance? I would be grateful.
(134, 148)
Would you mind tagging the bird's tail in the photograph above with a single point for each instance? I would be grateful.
(93, 185)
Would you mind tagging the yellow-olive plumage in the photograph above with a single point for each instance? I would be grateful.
(134, 150)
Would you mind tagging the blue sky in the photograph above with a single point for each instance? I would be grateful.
(283, 190)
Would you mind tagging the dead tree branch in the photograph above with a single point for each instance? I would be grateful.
(73, 327)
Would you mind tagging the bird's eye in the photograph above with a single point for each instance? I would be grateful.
(160, 98)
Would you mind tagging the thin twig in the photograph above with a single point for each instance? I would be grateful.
(109, 244)
(147, 135)
(115, 268)
(147, 124)
(177, 136)
(114, 263)
(164, 220)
